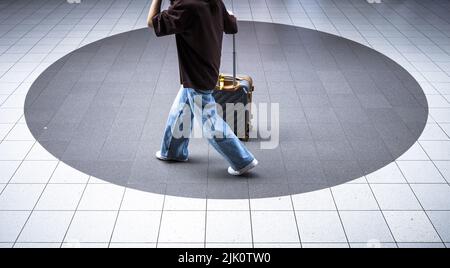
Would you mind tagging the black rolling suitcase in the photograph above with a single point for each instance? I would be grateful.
(235, 90)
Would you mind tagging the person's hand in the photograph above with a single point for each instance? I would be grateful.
(155, 8)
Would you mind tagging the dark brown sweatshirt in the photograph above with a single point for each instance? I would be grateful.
(198, 30)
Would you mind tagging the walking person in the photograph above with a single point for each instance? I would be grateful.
(198, 26)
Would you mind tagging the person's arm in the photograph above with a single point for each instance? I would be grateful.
(176, 19)
(155, 8)
(229, 21)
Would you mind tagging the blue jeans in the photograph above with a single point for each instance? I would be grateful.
(200, 104)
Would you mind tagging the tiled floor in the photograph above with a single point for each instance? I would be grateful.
(340, 120)
(43, 202)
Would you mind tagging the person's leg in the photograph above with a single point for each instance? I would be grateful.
(217, 131)
(175, 141)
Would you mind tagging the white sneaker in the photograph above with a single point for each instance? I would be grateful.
(243, 170)
(163, 158)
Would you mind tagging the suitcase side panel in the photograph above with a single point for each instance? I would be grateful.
(240, 118)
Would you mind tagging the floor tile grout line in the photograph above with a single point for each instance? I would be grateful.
(382, 213)
(10, 3)
(30, 30)
(284, 166)
(123, 96)
(434, 164)
(252, 231)
(423, 209)
(161, 220)
(35, 141)
(34, 206)
(30, 149)
(401, 53)
(371, 189)
(29, 3)
(117, 217)
(424, 53)
(125, 188)
(75, 211)
(331, 188)
(30, 73)
(165, 185)
(235, 210)
(418, 142)
(434, 13)
(340, 218)
(87, 182)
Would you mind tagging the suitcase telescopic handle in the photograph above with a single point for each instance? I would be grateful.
(234, 60)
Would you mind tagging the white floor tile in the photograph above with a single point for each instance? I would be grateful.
(20, 196)
(84, 245)
(437, 101)
(272, 203)
(441, 221)
(228, 227)
(433, 196)
(4, 130)
(274, 227)
(277, 245)
(446, 128)
(10, 115)
(91, 226)
(14, 150)
(388, 174)
(354, 197)
(320, 227)
(395, 197)
(67, 174)
(6, 245)
(325, 245)
(373, 244)
(421, 245)
(132, 245)
(420, 172)
(34, 172)
(180, 245)
(440, 115)
(140, 200)
(433, 132)
(60, 197)
(7, 169)
(38, 152)
(229, 245)
(316, 200)
(414, 153)
(182, 226)
(95, 180)
(411, 226)
(46, 226)
(137, 226)
(101, 197)
(37, 245)
(20, 132)
(366, 227)
(437, 150)
(444, 169)
(12, 223)
(184, 203)
(228, 204)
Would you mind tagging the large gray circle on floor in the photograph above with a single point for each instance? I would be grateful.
(345, 111)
